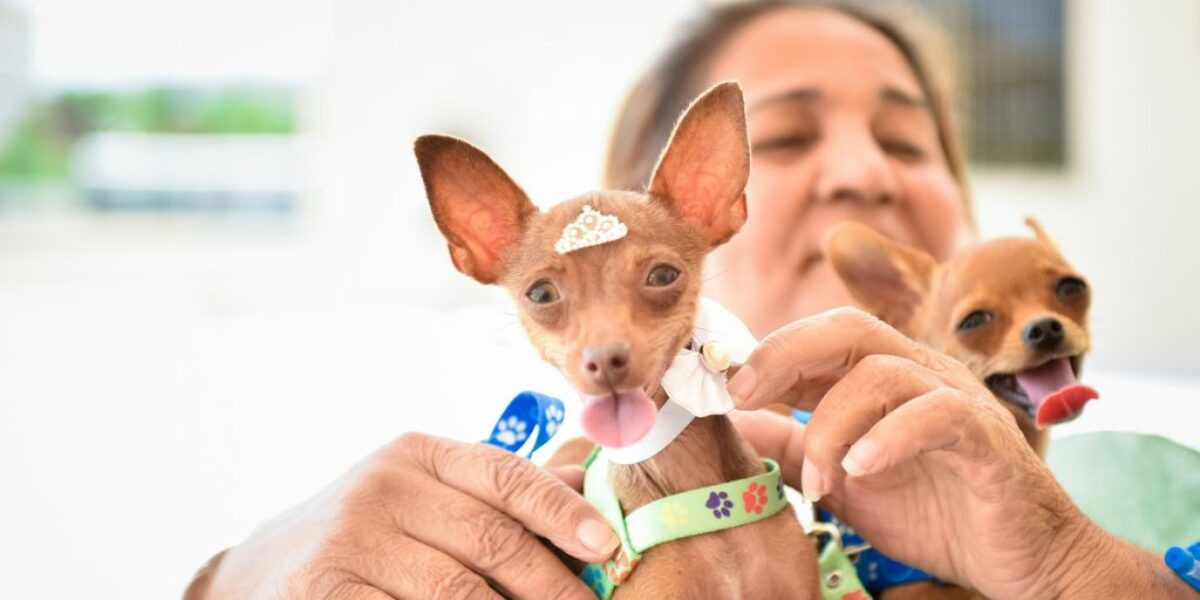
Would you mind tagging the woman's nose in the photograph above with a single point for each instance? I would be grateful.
(855, 169)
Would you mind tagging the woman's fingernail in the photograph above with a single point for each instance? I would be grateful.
(742, 385)
(597, 536)
(810, 481)
(862, 458)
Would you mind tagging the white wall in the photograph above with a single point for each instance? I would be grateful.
(14, 64)
(1127, 210)
(535, 84)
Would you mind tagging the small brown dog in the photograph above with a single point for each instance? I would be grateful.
(612, 316)
(1012, 309)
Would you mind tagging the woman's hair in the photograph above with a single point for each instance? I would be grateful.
(645, 122)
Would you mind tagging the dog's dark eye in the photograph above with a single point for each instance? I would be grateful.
(662, 276)
(975, 320)
(1070, 287)
(542, 292)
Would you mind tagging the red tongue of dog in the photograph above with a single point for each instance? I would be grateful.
(1056, 396)
(618, 420)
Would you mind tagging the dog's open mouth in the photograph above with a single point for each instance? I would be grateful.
(618, 419)
(1049, 392)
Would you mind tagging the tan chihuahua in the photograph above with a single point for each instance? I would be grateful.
(1012, 309)
(612, 316)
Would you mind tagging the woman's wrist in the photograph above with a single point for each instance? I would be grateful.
(1092, 563)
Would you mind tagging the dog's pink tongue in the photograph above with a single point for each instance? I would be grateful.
(1055, 394)
(618, 420)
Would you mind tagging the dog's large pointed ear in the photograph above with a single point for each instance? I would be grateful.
(702, 173)
(1039, 232)
(887, 278)
(476, 205)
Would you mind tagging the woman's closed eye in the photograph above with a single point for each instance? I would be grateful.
(787, 141)
(903, 149)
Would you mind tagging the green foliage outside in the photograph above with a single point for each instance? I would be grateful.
(40, 144)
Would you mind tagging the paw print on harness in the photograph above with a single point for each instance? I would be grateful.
(755, 498)
(674, 515)
(719, 503)
(619, 567)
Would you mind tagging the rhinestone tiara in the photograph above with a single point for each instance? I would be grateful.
(590, 228)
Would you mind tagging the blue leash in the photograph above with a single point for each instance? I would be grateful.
(529, 414)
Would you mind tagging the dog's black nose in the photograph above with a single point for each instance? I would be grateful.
(1046, 333)
(607, 365)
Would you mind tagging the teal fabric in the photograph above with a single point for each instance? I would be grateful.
(1142, 488)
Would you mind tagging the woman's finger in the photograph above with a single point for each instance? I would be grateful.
(797, 364)
(774, 436)
(408, 568)
(941, 419)
(875, 387)
(359, 591)
(515, 486)
(490, 543)
(572, 475)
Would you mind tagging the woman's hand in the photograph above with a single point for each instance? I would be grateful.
(907, 447)
(423, 518)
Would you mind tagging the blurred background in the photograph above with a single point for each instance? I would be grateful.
(220, 286)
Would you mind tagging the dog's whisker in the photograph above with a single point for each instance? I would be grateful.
(503, 327)
(500, 311)
(720, 273)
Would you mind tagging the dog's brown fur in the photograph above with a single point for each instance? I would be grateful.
(1015, 279)
(695, 201)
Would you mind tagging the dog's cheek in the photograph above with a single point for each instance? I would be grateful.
(549, 319)
(1078, 341)
(544, 330)
(1076, 315)
(980, 351)
(553, 351)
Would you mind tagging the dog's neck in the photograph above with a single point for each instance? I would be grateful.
(709, 451)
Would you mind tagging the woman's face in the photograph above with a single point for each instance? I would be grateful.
(840, 131)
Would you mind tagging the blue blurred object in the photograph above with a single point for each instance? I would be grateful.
(1185, 563)
(529, 415)
(801, 415)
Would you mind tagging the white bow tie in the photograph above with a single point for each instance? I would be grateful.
(695, 380)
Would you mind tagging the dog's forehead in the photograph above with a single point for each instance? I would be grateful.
(1005, 266)
(632, 209)
(648, 224)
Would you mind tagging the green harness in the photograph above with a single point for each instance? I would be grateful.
(694, 512)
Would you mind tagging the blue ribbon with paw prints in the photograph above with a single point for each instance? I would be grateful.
(529, 414)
